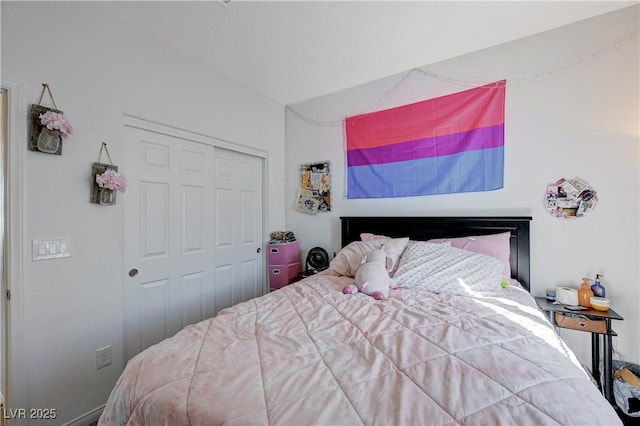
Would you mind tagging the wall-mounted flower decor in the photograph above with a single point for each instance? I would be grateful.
(48, 126)
(107, 181)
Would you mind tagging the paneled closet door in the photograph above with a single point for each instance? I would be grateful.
(186, 255)
(239, 266)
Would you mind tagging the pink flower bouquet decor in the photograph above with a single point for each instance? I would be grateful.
(55, 121)
(109, 182)
(48, 126)
(112, 180)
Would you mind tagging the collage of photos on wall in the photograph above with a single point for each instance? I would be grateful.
(570, 198)
(314, 193)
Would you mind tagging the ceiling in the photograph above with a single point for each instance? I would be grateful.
(291, 51)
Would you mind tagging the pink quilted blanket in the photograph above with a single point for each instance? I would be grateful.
(308, 354)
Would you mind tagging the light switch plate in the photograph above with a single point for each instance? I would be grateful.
(51, 249)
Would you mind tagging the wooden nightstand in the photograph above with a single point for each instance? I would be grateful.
(598, 323)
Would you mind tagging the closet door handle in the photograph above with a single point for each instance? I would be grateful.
(258, 250)
(133, 272)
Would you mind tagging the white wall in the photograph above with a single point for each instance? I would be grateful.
(99, 69)
(581, 121)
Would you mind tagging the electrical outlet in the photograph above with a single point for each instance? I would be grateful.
(103, 357)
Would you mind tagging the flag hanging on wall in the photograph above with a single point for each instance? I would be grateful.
(450, 144)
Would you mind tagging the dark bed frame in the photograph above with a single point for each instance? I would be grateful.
(426, 228)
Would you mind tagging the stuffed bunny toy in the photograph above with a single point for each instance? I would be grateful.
(372, 277)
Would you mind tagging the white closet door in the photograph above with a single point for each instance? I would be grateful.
(184, 252)
(238, 222)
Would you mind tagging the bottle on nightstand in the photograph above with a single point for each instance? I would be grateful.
(598, 289)
(585, 293)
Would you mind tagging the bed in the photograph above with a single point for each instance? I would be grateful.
(309, 354)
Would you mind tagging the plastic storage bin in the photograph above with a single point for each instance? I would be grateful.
(284, 264)
(283, 254)
(281, 275)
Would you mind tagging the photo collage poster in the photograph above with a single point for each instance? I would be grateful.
(570, 198)
(314, 193)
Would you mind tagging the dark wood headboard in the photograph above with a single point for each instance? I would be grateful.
(426, 228)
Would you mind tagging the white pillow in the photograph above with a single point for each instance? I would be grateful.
(441, 268)
(350, 258)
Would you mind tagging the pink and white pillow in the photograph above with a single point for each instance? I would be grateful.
(350, 258)
(496, 245)
(440, 268)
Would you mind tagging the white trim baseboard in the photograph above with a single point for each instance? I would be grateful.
(87, 418)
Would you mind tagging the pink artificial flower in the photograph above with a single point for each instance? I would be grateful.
(55, 121)
(113, 180)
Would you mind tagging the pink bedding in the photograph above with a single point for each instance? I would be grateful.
(308, 354)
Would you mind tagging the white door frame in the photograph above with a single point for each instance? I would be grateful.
(151, 126)
(14, 385)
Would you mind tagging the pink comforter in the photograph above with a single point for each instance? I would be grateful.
(308, 354)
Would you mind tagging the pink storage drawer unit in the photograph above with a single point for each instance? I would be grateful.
(282, 275)
(283, 254)
(284, 264)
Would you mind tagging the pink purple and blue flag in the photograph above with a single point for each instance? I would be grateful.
(450, 144)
